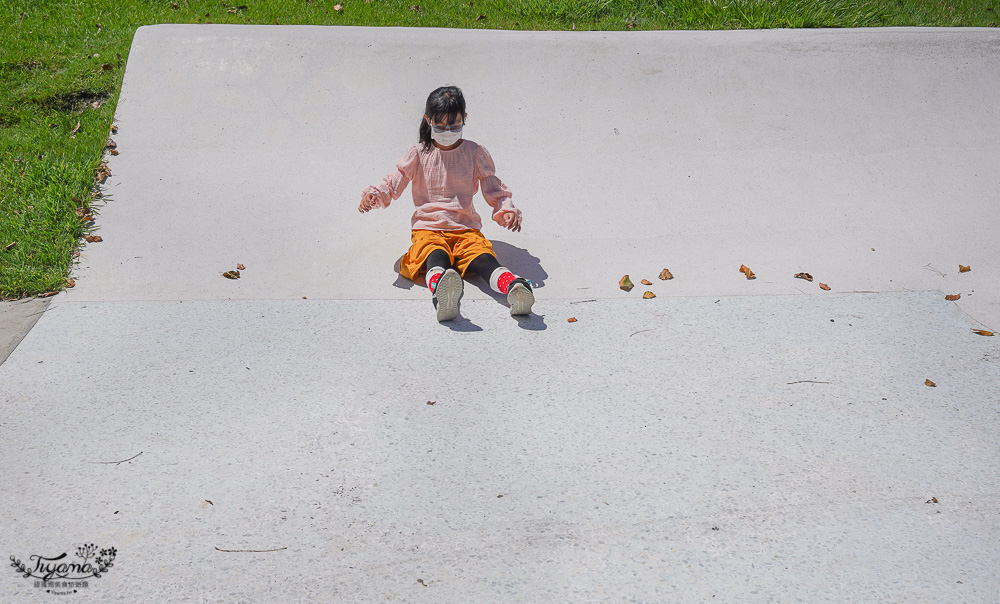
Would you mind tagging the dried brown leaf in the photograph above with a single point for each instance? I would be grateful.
(231, 274)
(70, 283)
(114, 152)
(75, 128)
(240, 266)
(431, 402)
(648, 295)
(114, 128)
(805, 276)
(47, 294)
(982, 332)
(824, 287)
(930, 383)
(571, 320)
(746, 271)
(111, 144)
(94, 238)
(932, 500)
(665, 274)
(953, 297)
(340, 8)
(646, 282)
(964, 269)
(625, 283)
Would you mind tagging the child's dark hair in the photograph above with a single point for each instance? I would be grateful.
(444, 103)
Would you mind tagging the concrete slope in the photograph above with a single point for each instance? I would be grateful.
(726, 441)
(864, 157)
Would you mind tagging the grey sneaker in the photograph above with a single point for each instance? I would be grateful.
(519, 297)
(447, 294)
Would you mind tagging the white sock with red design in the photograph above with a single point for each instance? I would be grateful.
(433, 275)
(500, 280)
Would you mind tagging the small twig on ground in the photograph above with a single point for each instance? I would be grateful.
(809, 382)
(277, 549)
(118, 462)
(582, 301)
(931, 268)
(640, 331)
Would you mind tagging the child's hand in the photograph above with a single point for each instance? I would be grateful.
(369, 201)
(512, 221)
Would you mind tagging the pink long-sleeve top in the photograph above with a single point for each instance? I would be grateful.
(444, 183)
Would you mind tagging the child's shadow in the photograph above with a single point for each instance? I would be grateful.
(517, 260)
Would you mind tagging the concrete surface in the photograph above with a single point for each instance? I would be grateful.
(17, 317)
(728, 440)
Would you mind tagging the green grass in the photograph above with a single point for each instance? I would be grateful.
(61, 64)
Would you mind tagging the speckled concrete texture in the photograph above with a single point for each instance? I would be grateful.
(731, 449)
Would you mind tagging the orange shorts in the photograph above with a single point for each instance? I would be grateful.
(462, 248)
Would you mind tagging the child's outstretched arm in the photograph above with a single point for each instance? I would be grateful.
(495, 192)
(393, 185)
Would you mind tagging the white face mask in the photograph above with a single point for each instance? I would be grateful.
(446, 139)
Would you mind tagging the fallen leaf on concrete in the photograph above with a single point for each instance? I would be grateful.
(648, 295)
(9, 246)
(964, 269)
(571, 320)
(665, 274)
(932, 500)
(930, 383)
(625, 283)
(231, 274)
(114, 128)
(240, 267)
(114, 152)
(824, 287)
(431, 402)
(805, 276)
(953, 297)
(111, 144)
(94, 238)
(47, 294)
(982, 332)
(646, 282)
(70, 283)
(421, 581)
(746, 271)
(103, 171)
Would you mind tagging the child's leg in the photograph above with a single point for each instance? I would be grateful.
(503, 281)
(436, 264)
(445, 283)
